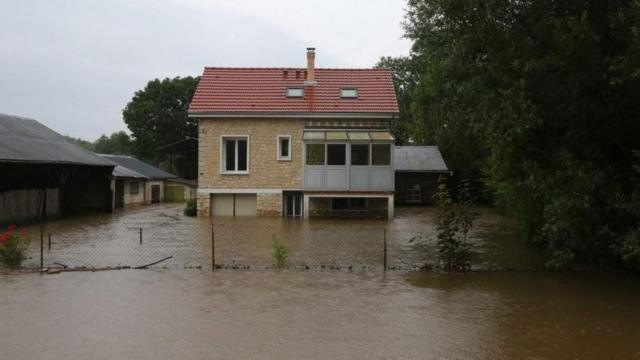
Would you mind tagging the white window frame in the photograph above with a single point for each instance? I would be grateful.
(278, 149)
(223, 154)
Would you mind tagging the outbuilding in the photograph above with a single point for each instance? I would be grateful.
(417, 170)
(136, 182)
(42, 174)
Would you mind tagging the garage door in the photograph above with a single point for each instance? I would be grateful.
(234, 204)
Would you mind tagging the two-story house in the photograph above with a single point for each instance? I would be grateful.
(295, 142)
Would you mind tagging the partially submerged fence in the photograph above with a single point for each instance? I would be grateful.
(222, 246)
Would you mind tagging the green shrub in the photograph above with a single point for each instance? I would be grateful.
(279, 253)
(454, 221)
(13, 246)
(191, 208)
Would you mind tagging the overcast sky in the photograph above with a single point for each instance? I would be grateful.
(73, 65)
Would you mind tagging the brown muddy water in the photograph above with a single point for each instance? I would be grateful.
(143, 235)
(164, 314)
(199, 314)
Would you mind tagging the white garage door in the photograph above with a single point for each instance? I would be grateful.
(246, 204)
(234, 204)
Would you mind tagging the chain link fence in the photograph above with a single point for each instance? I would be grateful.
(307, 246)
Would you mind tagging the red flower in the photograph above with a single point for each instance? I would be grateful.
(11, 228)
(4, 237)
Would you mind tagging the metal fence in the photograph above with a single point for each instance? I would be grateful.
(222, 246)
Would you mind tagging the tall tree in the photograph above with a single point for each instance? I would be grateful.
(542, 97)
(118, 143)
(404, 79)
(157, 115)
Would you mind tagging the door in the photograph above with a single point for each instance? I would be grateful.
(174, 193)
(292, 204)
(155, 194)
(234, 205)
(119, 194)
(222, 205)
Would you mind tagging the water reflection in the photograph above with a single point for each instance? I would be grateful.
(115, 239)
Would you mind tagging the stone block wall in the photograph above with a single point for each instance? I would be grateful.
(265, 170)
(269, 204)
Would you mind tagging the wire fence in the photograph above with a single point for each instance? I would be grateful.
(224, 246)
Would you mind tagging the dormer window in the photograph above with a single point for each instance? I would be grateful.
(349, 93)
(295, 92)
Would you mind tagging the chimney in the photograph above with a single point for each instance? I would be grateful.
(311, 67)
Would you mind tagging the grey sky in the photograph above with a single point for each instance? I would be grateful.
(74, 65)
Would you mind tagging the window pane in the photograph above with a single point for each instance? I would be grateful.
(340, 203)
(242, 155)
(336, 154)
(295, 92)
(133, 187)
(380, 154)
(349, 93)
(315, 154)
(359, 154)
(357, 203)
(336, 135)
(230, 155)
(284, 147)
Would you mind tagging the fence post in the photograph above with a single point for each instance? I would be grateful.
(140, 236)
(384, 241)
(213, 249)
(49, 243)
(41, 247)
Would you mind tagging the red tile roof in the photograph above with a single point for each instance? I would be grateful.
(263, 90)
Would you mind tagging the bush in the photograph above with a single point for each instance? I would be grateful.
(13, 246)
(279, 253)
(192, 208)
(454, 221)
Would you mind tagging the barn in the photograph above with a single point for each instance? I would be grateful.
(136, 182)
(42, 174)
(417, 170)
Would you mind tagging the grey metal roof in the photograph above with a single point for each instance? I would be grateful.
(131, 167)
(121, 171)
(26, 140)
(419, 158)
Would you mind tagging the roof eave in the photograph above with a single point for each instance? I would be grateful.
(52, 162)
(316, 115)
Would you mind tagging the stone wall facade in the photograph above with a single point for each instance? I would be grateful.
(265, 171)
(269, 204)
(135, 198)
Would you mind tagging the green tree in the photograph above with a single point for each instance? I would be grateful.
(540, 97)
(157, 115)
(404, 79)
(81, 142)
(118, 143)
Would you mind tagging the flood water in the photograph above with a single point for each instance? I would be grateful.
(191, 314)
(516, 312)
(142, 235)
